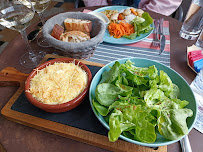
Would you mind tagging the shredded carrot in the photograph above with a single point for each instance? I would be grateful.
(118, 30)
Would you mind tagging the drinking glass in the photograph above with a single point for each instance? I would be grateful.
(199, 42)
(17, 15)
(40, 6)
(193, 23)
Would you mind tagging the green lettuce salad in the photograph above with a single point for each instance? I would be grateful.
(140, 102)
(141, 25)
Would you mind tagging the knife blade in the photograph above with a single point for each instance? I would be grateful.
(162, 36)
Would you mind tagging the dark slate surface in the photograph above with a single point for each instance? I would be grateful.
(81, 117)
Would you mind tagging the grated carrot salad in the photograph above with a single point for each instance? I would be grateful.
(117, 30)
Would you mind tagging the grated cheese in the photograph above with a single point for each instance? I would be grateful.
(58, 83)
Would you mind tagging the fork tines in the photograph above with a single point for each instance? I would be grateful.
(156, 41)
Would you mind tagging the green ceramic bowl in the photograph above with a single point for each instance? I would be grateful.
(185, 94)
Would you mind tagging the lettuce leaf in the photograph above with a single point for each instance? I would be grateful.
(100, 108)
(181, 103)
(117, 125)
(153, 96)
(107, 93)
(112, 74)
(151, 71)
(131, 36)
(154, 82)
(172, 123)
(126, 90)
(134, 119)
(166, 84)
(175, 92)
(148, 20)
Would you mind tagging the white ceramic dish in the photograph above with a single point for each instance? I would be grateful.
(101, 16)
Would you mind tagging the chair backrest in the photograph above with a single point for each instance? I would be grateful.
(181, 12)
(133, 3)
(185, 5)
(78, 3)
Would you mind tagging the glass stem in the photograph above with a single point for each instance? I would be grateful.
(30, 51)
(42, 18)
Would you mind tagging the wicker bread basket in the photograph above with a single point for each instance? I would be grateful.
(82, 50)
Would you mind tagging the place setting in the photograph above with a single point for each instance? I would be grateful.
(140, 46)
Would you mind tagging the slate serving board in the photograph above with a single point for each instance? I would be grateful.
(78, 124)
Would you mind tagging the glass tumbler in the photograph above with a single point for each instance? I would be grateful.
(199, 42)
(193, 23)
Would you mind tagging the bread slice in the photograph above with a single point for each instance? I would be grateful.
(74, 36)
(57, 31)
(72, 24)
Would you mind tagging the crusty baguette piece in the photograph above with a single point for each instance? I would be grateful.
(57, 31)
(80, 31)
(74, 36)
(72, 24)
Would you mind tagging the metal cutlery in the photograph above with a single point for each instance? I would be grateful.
(156, 41)
(185, 144)
(162, 36)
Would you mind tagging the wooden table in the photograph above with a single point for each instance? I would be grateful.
(16, 137)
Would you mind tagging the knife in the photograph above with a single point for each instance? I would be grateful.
(162, 36)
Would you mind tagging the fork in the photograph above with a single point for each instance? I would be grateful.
(156, 41)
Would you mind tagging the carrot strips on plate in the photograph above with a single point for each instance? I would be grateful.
(117, 30)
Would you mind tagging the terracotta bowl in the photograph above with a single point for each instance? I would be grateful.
(58, 107)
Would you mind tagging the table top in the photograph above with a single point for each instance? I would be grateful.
(16, 137)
